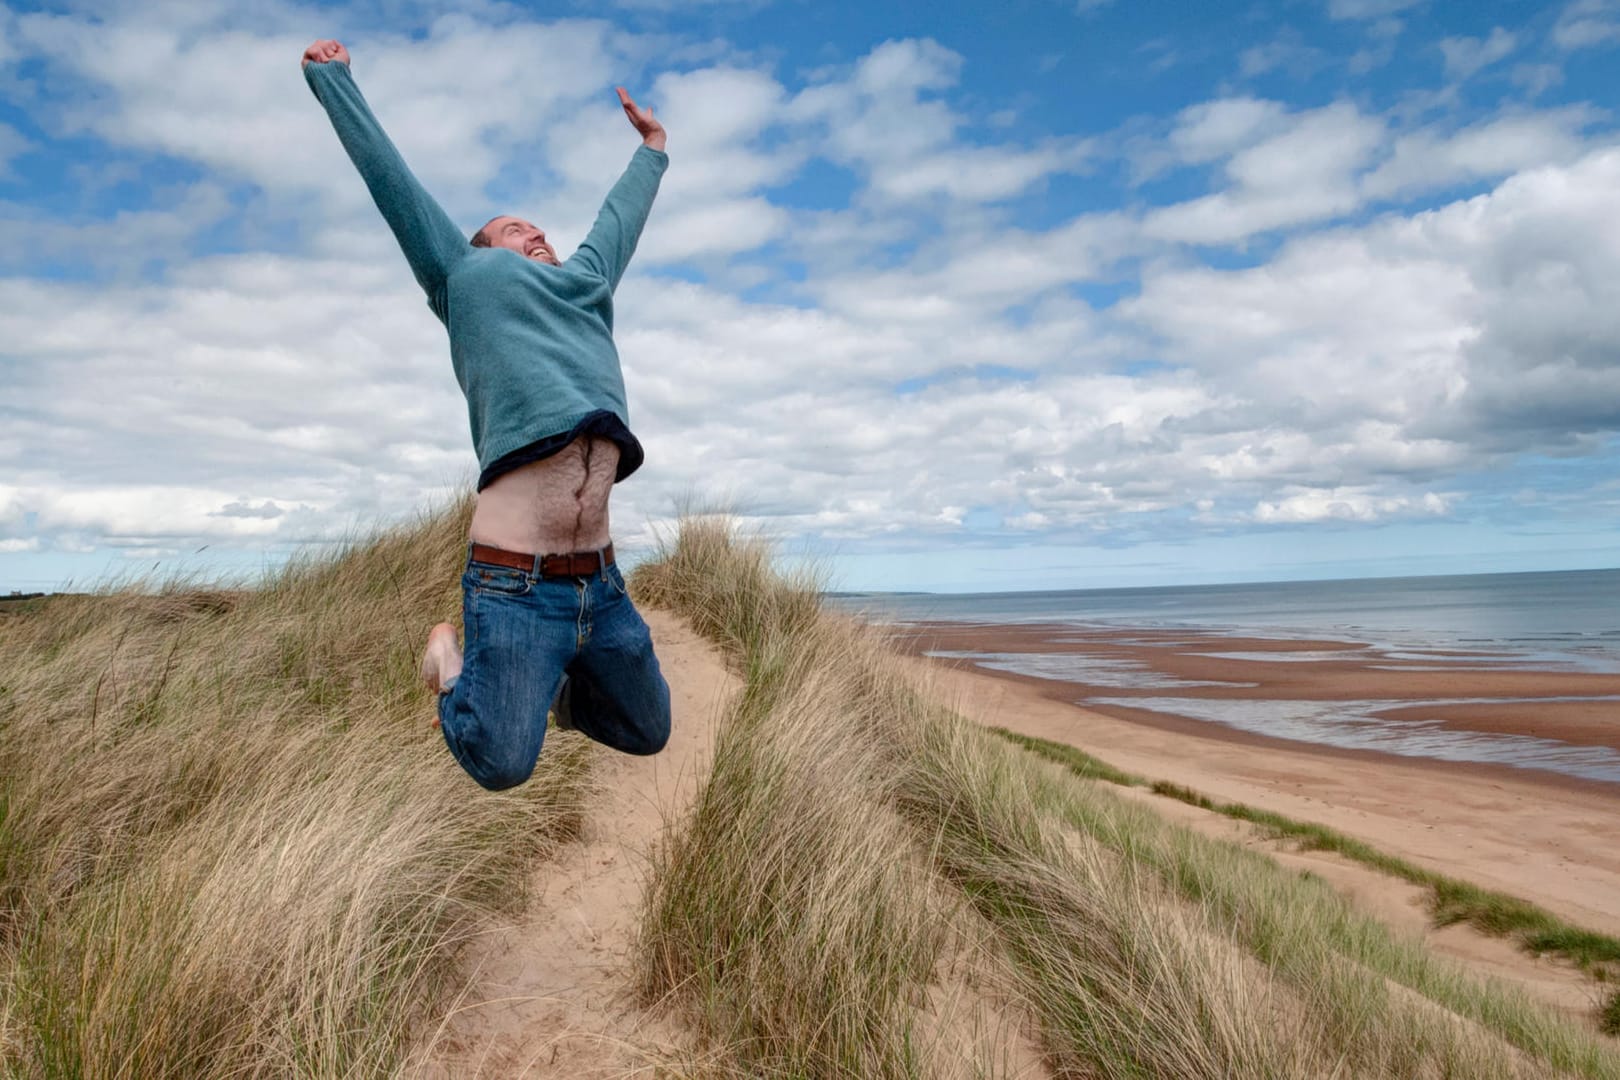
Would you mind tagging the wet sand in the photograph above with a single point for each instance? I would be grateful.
(1416, 687)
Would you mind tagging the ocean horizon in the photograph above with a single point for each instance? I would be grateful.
(1561, 617)
(1555, 621)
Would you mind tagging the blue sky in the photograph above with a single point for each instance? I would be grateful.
(1080, 294)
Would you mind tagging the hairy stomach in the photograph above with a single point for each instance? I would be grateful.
(554, 505)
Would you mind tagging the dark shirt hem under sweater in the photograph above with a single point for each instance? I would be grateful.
(600, 423)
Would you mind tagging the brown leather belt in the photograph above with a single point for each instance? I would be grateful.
(573, 564)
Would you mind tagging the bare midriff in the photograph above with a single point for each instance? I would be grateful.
(551, 506)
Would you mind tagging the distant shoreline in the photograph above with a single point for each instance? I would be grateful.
(1333, 696)
(1373, 579)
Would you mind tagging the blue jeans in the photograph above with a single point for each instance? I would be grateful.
(521, 634)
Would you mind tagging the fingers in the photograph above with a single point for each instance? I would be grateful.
(325, 51)
(640, 118)
(631, 109)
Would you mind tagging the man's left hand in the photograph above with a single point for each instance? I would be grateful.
(652, 132)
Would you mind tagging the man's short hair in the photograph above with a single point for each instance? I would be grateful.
(480, 239)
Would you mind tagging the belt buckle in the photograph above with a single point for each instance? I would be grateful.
(577, 564)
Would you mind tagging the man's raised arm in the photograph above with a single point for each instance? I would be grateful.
(612, 240)
(430, 240)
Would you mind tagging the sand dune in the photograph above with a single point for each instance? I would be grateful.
(551, 995)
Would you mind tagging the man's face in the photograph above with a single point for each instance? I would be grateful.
(520, 236)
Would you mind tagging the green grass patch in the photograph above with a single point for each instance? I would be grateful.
(1609, 1015)
(1182, 794)
(1076, 760)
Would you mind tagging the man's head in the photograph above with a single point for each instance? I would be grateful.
(517, 235)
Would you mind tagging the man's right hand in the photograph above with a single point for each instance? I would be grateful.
(323, 51)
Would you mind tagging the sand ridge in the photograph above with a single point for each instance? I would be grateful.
(1524, 837)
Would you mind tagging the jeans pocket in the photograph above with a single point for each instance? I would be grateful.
(498, 580)
(616, 581)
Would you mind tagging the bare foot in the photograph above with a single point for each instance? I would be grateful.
(441, 661)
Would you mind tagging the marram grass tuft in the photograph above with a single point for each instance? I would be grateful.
(230, 842)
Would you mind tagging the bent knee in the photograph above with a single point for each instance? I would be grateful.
(650, 738)
(501, 775)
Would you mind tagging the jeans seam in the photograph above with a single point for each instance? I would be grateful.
(582, 622)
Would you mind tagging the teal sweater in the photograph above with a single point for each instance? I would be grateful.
(531, 343)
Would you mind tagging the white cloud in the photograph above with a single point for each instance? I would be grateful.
(1427, 159)
(1382, 35)
(139, 514)
(1417, 346)
(1287, 51)
(1537, 79)
(1290, 169)
(1216, 129)
(249, 380)
(1587, 24)
(1368, 9)
(12, 145)
(234, 101)
(1303, 173)
(719, 227)
(688, 5)
(980, 174)
(1348, 504)
(1465, 56)
(125, 243)
(876, 120)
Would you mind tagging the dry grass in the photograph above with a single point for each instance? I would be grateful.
(790, 902)
(1140, 949)
(230, 843)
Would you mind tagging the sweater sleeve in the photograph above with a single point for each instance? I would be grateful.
(430, 240)
(612, 240)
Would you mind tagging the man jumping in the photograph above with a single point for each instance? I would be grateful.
(546, 616)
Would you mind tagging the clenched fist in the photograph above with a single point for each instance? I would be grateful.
(323, 51)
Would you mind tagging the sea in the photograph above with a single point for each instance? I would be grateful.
(1549, 621)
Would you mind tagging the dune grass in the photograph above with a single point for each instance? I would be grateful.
(783, 918)
(230, 842)
(787, 905)
(1450, 900)
(1136, 948)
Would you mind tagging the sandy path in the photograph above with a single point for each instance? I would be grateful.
(551, 994)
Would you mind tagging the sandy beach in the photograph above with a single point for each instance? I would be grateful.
(1529, 832)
